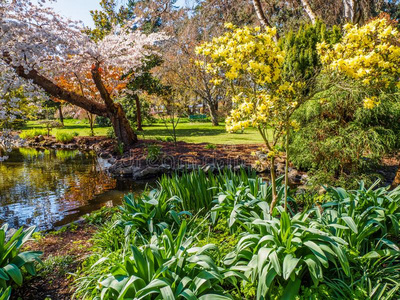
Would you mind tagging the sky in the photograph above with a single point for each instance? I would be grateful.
(80, 9)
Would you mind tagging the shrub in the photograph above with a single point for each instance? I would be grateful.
(341, 143)
(111, 133)
(103, 121)
(32, 133)
(64, 137)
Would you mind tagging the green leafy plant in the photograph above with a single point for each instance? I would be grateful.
(211, 146)
(376, 277)
(197, 189)
(151, 213)
(238, 203)
(153, 152)
(276, 253)
(59, 264)
(363, 217)
(166, 268)
(120, 148)
(344, 247)
(12, 259)
(31, 134)
(64, 137)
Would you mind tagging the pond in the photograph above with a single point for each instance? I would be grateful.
(50, 188)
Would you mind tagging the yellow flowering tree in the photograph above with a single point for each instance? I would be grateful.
(369, 55)
(251, 61)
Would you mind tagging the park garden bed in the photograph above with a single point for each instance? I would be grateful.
(213, 237)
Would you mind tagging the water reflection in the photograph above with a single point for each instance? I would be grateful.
(54, 187)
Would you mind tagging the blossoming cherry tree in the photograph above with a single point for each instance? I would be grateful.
(39, 45)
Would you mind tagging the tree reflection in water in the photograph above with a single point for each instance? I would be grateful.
(47, 187)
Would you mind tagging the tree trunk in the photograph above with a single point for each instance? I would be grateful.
(287, 165)
(273, 186)
(61, 114)
(91, 122)
(260, 14)
(355, 11)
(213, 114)
(138, 113)
(309, 11)
(109, 109)
(348, 6)
(122, 128)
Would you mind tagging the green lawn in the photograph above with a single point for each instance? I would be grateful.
(70, 125)
(189, 132)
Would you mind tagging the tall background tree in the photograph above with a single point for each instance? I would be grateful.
(154, 16)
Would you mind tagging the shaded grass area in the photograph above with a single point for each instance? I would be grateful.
(188, 132)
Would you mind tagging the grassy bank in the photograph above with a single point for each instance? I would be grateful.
(188, 132)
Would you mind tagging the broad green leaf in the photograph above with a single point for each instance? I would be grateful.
(262, 257)
(314, 268)
(6, 294)
(350, 222)
(3, 275)
(134, 282)
(215, 297)
(291, 290)
(289, 264)
(275, 262)
(167, 293)
(317, 252)
(152, 288)
(342, 259)
(14, 273)
(188, 295)
(26, 257)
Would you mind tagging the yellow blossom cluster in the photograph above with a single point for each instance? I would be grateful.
(251, 61)
(371, 102)
(369, 54)
(244, 51)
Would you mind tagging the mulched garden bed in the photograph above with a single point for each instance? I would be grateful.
(189, 153)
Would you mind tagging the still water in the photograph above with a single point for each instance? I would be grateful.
(50, 188)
